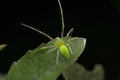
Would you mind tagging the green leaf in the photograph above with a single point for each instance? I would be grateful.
(2, 76)
(2, 46)
(38, 64)
(78, 72)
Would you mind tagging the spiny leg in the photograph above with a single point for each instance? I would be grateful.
(76, 38)
(51, 50)
(61, 10)
(47, 47)
(57, 57)
(72, 39)
(68, 45)
(38, 31)
(70, 32)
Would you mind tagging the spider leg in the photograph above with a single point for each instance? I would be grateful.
(57, 57)
(47, 47)
(70, 32)
(51, 50)
(71, 39)
(68, 45)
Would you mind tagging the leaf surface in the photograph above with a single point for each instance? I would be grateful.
(78, 72)
(40, 64)
(2, 46)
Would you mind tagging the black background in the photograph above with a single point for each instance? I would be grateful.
(96, 20)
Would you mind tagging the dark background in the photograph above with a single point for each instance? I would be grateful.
(96, 20)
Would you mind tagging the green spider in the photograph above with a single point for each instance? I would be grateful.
(62, 47)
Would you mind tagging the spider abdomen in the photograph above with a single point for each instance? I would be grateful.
(64, 51)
